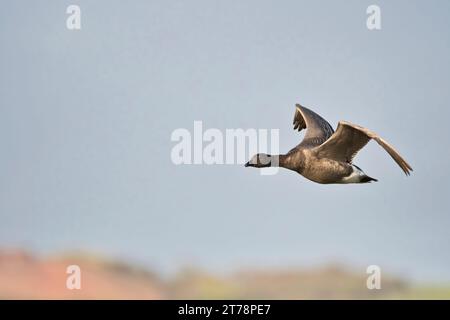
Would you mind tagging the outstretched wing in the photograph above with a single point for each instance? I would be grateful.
(349, 138)
(318, 130)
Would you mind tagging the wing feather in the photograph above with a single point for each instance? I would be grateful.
(349, 138)
(318, 130)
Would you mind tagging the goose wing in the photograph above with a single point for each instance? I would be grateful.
(349, 138)
(318, 130)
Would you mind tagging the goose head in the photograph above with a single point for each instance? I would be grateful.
(260, 160)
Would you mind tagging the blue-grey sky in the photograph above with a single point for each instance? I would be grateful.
(86, 118)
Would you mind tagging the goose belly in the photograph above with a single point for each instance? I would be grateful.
(329, 171)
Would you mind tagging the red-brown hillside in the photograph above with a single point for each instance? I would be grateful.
(23, 276)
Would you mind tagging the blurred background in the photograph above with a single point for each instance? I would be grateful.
(86, 176)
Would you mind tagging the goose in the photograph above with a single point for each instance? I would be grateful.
(325, 156)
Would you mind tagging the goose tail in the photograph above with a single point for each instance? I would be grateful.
(367, 179)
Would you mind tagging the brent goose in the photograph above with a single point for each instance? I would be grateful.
(325, 156)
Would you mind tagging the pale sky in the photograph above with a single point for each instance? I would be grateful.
(86, 118)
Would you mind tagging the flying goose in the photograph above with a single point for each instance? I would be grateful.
(325, 156)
